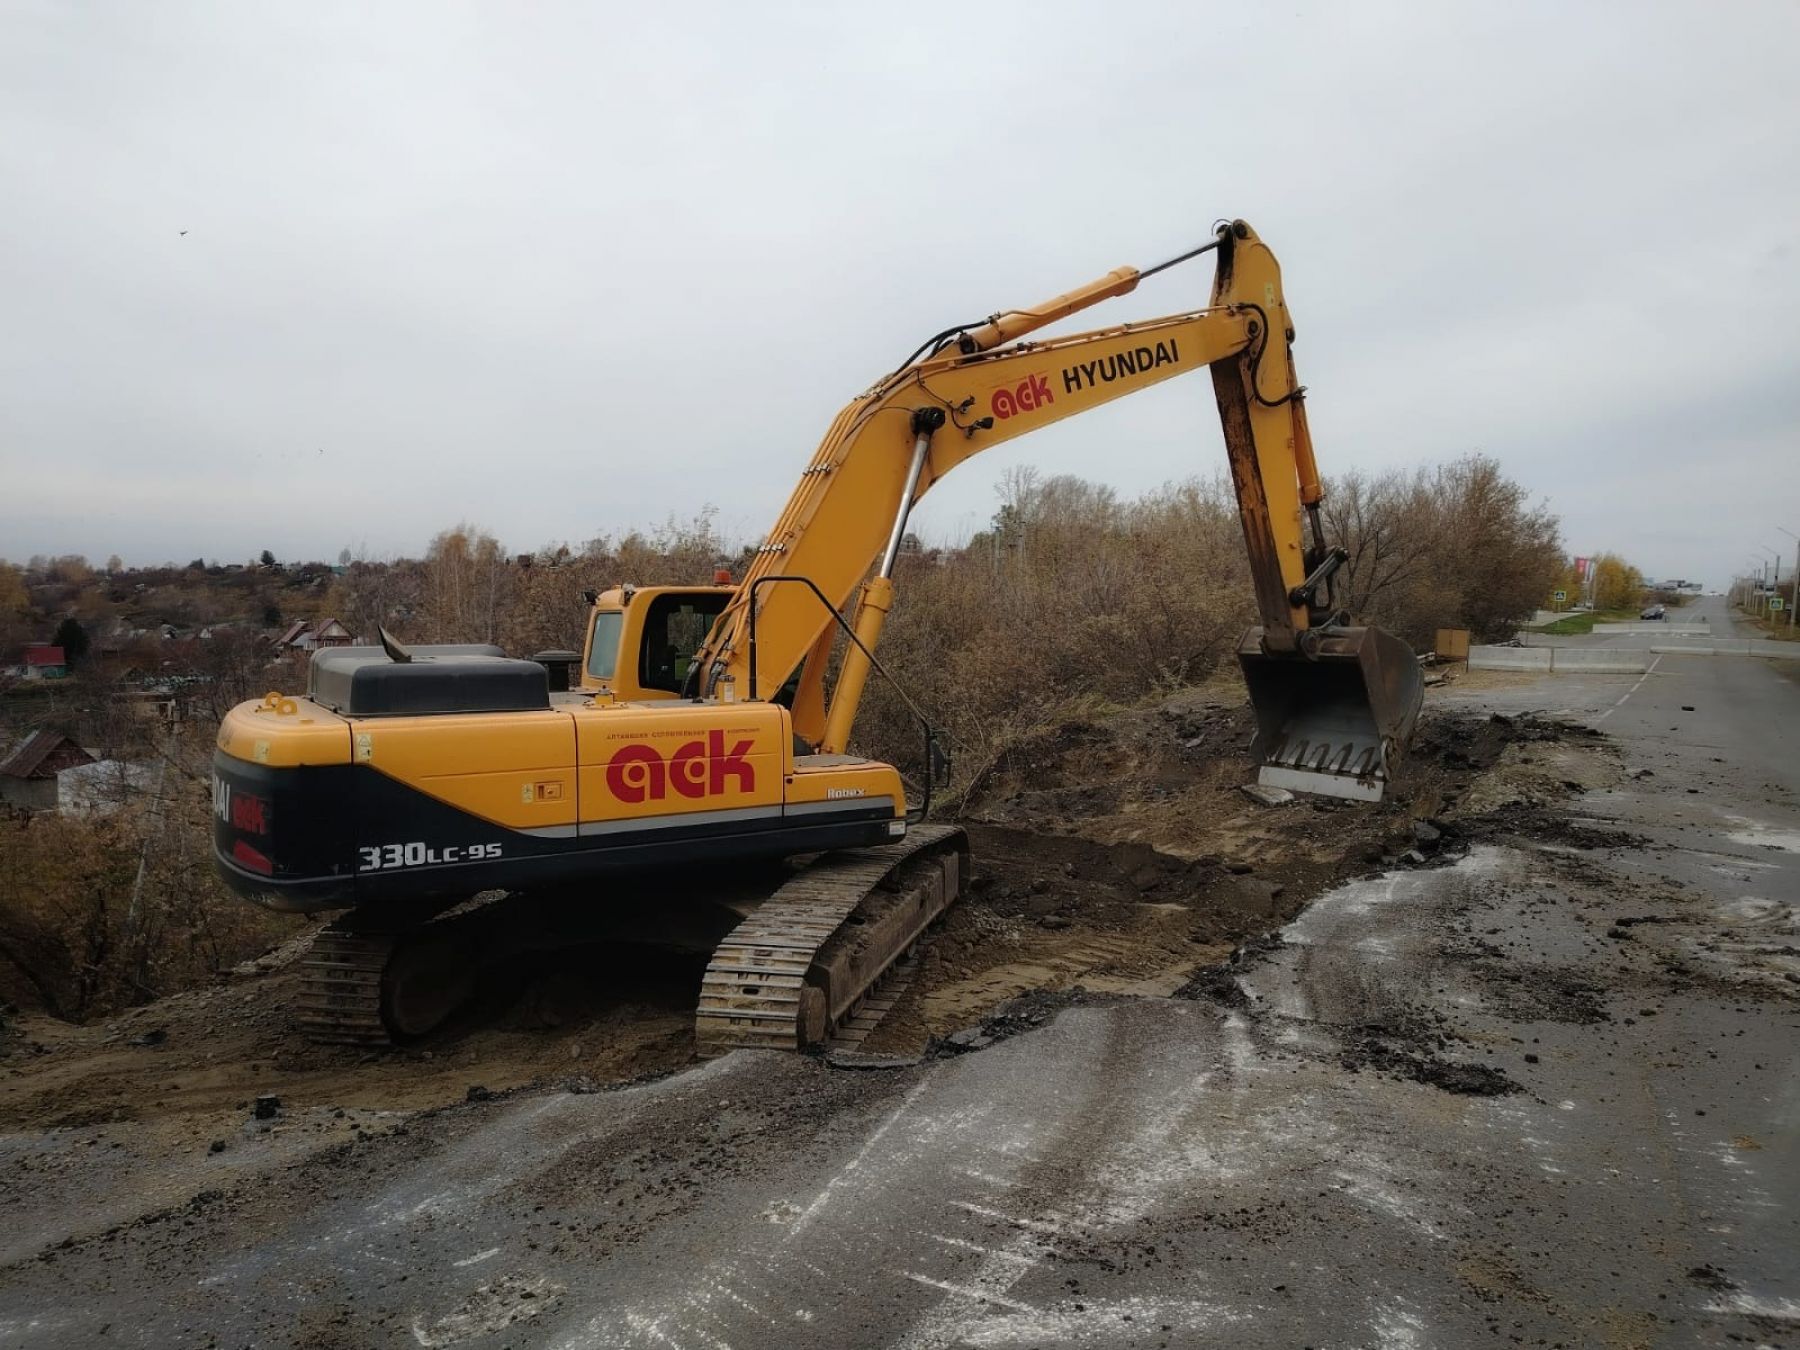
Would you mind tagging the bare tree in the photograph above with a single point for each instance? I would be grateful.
(465, 585)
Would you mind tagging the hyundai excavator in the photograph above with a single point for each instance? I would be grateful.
(706, 735)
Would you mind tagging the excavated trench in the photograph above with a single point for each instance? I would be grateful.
(1112, 858)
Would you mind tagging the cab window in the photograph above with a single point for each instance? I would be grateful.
(603, 644)
(674, 628)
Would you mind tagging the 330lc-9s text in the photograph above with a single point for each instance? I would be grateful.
(417, 854)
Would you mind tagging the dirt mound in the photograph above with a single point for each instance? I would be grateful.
(1120, 855)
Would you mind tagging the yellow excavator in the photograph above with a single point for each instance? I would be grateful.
(705, 731)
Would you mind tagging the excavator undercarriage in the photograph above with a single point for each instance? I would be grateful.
(801, 956)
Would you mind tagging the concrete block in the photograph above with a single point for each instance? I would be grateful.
(1510, 658)
(1652, 628)
(1598, 660)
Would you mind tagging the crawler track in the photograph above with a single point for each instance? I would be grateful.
(794, 973)
(376, 988)
(340, 987)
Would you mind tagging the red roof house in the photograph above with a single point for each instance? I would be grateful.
(45, 662)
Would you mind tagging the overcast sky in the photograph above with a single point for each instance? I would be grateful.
(312, 276)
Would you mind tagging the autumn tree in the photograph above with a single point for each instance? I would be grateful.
(1617, 584)
(1567, 580)
(371, 595)
(546, 609)
(71, 569)
(1457, 545)
(466, 585)
(15, 610)
(230, 667)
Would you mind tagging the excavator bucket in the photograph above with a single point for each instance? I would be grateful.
(1334, 722)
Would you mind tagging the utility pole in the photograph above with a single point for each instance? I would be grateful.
(1763, 607)
(1795, 602)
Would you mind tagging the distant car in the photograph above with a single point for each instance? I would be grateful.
(1654, 612)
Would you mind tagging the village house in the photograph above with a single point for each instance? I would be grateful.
(28, 770)
(304, 636)
(45, 662)
(103, 787)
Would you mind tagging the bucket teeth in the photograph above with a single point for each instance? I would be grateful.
(1333, 722)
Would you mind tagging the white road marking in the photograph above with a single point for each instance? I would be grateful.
(1629, 692)
(966, 1245)
(972, 1292)
(1030, 1225)
(807, 1215)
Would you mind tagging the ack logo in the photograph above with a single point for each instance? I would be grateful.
(1031, 393)
(639, 773)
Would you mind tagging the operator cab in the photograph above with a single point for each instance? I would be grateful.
(641, 640)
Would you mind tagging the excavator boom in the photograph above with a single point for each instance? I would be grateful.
(1335, 704)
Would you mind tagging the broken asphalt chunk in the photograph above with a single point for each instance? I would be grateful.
(1268, 796)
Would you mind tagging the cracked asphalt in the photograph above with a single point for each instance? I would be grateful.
(1546, 1096)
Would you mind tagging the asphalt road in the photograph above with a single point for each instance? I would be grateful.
(1695, 624)
(1299, 1166)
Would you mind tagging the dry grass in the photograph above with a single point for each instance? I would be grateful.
(98, 913)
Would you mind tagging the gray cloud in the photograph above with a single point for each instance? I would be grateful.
(568, 269)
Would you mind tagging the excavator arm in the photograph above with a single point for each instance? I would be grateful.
(979, 386)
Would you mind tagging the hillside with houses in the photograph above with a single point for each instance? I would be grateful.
(104, 659)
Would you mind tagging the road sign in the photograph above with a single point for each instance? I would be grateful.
(1775, 603)
(1559, 596)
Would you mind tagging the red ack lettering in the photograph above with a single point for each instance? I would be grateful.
(1033, 392)
(638, 773)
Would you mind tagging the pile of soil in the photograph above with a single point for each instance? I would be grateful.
(1121, 855)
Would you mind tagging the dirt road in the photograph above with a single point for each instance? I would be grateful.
(1543, 1091)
